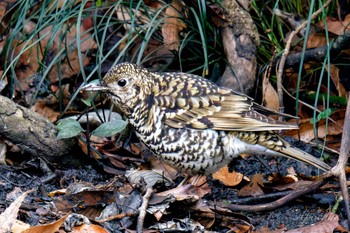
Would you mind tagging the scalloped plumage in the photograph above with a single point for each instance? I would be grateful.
(194, 124)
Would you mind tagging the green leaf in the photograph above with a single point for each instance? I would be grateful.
(313, 121)
(87, 102)
(322, 115)
(98, 2)
(110, 128)
(68, 128)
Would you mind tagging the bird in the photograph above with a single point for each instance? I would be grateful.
(193, 124)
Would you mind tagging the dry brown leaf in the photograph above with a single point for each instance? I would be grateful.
(267, 230)
(137, 16)
(316, 40)
(29, 60)
(3, 8)
(240, 227)
(332, 129)
(9, 216)
(84, 199)
(172, 26)
(157, 164)
(93, 152)
(253, 188)
(88, 228)
(326, 225)
(306, 129)
(52, 227)
(270, 95)
(7, 11)
(293, 186)
(178, 225)
(228, 178)
(335, 26)
(41, 107)
(19, 227)
(334, 73)
(150, 177)
(187, 192)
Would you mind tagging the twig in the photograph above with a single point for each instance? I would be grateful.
(286, 52)
(142, 209)
(117, 216)
(306, 104)
(339, 168)
(318, 54)
(261, 198)
(268, 206)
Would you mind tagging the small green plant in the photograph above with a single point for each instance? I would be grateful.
(110, 128)
(69, 128)
(322, 115)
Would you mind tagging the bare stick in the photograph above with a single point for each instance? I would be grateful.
(286, 52)
(142, 210)
(268, 206)
(339, 168)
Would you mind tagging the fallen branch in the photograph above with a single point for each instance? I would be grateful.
(339, 169)
(217, 207)
(340, 44)
(143, 209)
(31, 132)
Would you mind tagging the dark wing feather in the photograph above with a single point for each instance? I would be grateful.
(214, 107)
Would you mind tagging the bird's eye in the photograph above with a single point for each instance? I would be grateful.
(122, 82)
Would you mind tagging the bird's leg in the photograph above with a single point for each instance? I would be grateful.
(195, 180)
(187, 177)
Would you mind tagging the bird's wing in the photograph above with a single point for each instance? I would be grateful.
(217, 108)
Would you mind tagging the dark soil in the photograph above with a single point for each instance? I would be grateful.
(304, 211)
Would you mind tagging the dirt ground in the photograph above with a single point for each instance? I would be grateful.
(306, 210)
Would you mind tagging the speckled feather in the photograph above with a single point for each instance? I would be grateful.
(194, 124)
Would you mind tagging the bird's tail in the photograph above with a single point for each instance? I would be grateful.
(270, 143)
(291, 152)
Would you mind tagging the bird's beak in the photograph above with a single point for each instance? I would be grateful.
(94, 86)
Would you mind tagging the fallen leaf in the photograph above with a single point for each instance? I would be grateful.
(270, 95)
(45, 110)
(253, 188)
(334, 73)
(179, 225)
(172, 26)
(336, 26)
(187, 192)
(267, 230)
(52, 227)
(293, 186)
(150, 177)
(9, 216)
(326, 225)
(306, 129)
(31, 57)
(88, 228)
(228, 178)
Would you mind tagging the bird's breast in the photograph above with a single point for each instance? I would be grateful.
(190, 150)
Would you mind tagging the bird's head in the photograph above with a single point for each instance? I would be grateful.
(126, 84)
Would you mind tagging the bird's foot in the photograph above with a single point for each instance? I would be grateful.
(197, 180)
